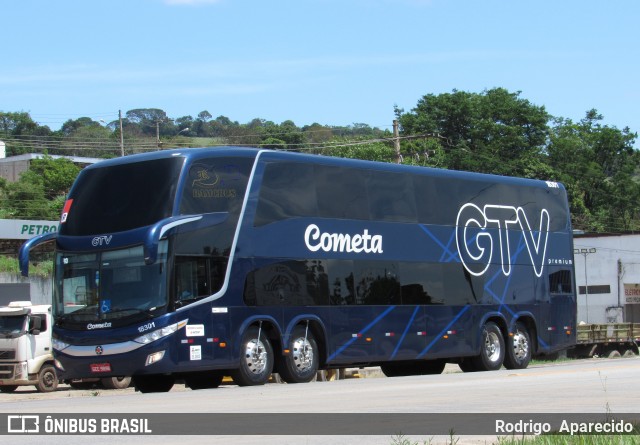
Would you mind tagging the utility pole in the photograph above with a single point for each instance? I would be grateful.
(396, 141)
(121, 133)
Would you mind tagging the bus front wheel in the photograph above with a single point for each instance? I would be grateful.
(300, 365)
(204, 379)
(256, 359)
(153, 383)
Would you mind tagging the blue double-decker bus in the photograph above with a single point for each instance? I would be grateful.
(195, 264)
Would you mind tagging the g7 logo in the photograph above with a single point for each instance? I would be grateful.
(476, 243)
(100, 240)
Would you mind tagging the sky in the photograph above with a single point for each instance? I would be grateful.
(332, 62)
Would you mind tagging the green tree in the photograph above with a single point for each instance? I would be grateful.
(57, 174)
(13, 128)
(494, 132)
(598, 165)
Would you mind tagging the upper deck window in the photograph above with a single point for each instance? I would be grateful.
(122, 197)
(216, 184)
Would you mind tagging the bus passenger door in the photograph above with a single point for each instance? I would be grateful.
(207, 333)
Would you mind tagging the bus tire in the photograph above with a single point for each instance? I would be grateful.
(518, 353)
(256, 359)
(467, 365)
(429, 367)
(116, 382)
(203, 379)
(153, 383)
(47, 379)
(492, 349)
(301, 364)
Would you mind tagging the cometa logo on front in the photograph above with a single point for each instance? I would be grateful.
(104, 325)
(315, 239)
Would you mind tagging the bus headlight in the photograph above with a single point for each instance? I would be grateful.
(59, 345)
(152, 336)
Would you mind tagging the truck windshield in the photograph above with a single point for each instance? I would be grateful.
(12, 325)
(113, 286)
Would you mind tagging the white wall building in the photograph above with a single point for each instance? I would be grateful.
(608, 278)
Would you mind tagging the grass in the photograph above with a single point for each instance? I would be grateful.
(40, 269)
(551, 439)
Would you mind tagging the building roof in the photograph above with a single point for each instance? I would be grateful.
(32, 156)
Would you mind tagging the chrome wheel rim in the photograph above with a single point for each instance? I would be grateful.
(255, 356)
(492, 347)
(302, 353)
(520, 346)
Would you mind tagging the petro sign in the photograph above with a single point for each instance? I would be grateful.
(25, 229)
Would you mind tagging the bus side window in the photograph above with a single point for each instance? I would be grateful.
(192, 278)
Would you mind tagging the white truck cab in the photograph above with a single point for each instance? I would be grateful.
(25, 347)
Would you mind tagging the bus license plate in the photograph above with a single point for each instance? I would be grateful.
(100, 367)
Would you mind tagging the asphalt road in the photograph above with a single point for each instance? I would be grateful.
(586, 386)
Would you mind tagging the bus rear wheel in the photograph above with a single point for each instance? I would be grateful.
(256, 359)
(300, 365)
(153, 383)
(518, 353)
(492, 351)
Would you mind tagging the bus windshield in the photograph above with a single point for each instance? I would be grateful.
(111, 199)
(110, 286)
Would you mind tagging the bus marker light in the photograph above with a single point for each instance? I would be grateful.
(445, 336)
(389, 334)
(287, 351)
(369, 339)
(223, 344)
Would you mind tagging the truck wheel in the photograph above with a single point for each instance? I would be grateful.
(492, 350)
(8, 388)
(47, 379)
(518, 353)
(256, 359)
(154, 383)
(301, 364)
(116, 382)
